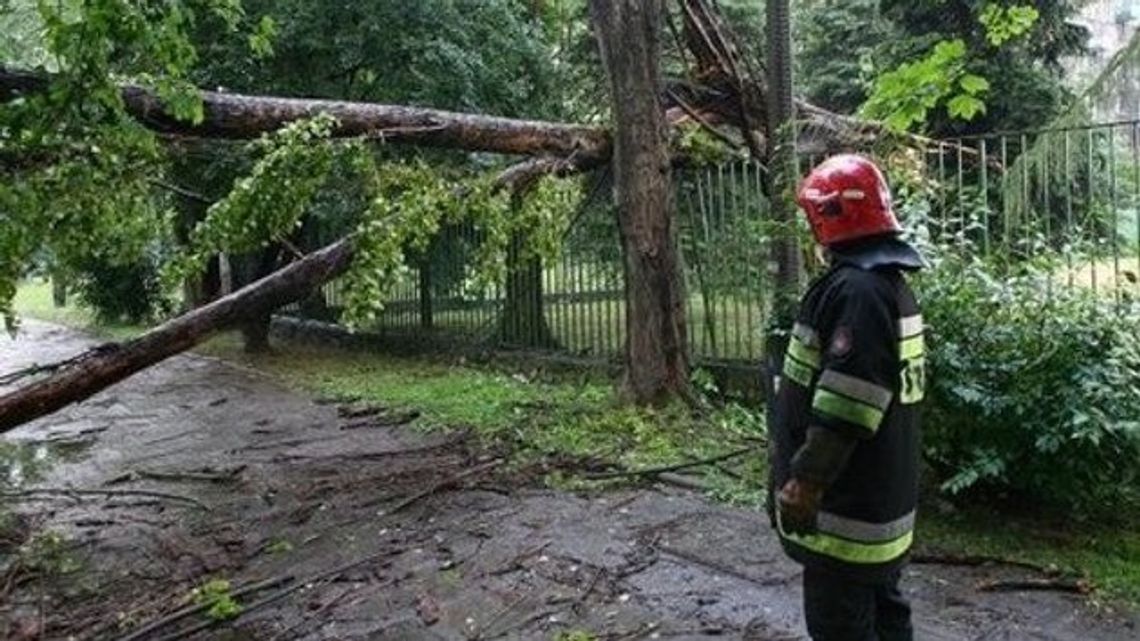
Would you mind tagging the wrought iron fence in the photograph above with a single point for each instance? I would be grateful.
(1064, 199)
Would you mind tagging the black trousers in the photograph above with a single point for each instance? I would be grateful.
(840, 609)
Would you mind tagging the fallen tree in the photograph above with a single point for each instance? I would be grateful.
(87, 374)
(236, 116)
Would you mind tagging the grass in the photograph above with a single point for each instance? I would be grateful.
(34, 300)
(536, 416)
(539, 416)
(1108, 555)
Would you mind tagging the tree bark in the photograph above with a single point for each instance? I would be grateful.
(255, 329)
(657, 367)
(58, 288)
(108, 364)
(523, 322)
(427, 310)
(241, 117)
(782, 178)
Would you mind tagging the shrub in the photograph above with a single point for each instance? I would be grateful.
(120, 292)
(1035, 389)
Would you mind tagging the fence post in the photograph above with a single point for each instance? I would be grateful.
(427, 316)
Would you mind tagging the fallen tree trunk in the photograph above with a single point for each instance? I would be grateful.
(236, 116)
(105, 365)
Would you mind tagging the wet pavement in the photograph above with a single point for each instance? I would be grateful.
(353, 526)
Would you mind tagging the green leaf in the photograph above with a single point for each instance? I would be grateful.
(973, 84)
(262, 38)
(1007, 23)
(965, 107)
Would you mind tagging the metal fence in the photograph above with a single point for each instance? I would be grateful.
(1064, 199)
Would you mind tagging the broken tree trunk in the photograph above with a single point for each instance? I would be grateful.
(103, 366)
(238, 116)
(657, 367)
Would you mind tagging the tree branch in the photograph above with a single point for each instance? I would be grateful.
(87, 374)
(238, 116)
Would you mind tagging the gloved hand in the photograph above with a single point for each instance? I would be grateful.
(798, 503)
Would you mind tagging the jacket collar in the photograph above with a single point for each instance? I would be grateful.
(878, 251)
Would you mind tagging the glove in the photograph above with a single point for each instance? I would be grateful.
(798, 503)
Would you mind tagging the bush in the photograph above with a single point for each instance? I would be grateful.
(1035, 389)
(121, 292)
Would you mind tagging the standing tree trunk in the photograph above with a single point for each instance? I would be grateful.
(782, 167)
(58, 288)
(255, 330)
(657, 367)
(523, 323)
(427, 313)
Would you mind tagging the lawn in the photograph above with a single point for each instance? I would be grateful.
(34, 300)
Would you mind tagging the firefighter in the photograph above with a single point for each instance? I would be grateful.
(845, 433)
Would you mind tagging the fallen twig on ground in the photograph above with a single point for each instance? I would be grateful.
(498, 616)
(189, 611)
(1079, 586)
(581, 600)
(516, 562)
(657, 471)
(683, 482)
(314, 615)
(67, 492)
(282, 593)
(443, 485)
(637, 633)
(33, 370)
(724, 568)
(979, 560)
(360, 411)
(226, 476)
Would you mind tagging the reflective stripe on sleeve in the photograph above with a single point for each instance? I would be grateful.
(798, 372)
(910, 326)
(807, 335)
(864, 531)
(856, 388)
(911, 348)
(803, 353)
(831, 404)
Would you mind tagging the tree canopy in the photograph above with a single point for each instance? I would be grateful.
(958, 67)
(80, 173)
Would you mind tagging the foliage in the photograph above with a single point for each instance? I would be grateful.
(51, 553)
(903, 98)
(1006, 23)
(840, 82)
(215, 594)
(1025, 70)
(82, 190)
(1035, 388)
(1017, 47)
(122, 293)
(267, 205)
(20, 35)
(75, 170)
(278, 547)
(490, 56)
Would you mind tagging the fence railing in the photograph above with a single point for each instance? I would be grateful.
(1068, 199)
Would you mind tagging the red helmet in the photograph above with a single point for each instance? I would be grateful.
(847, 198)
